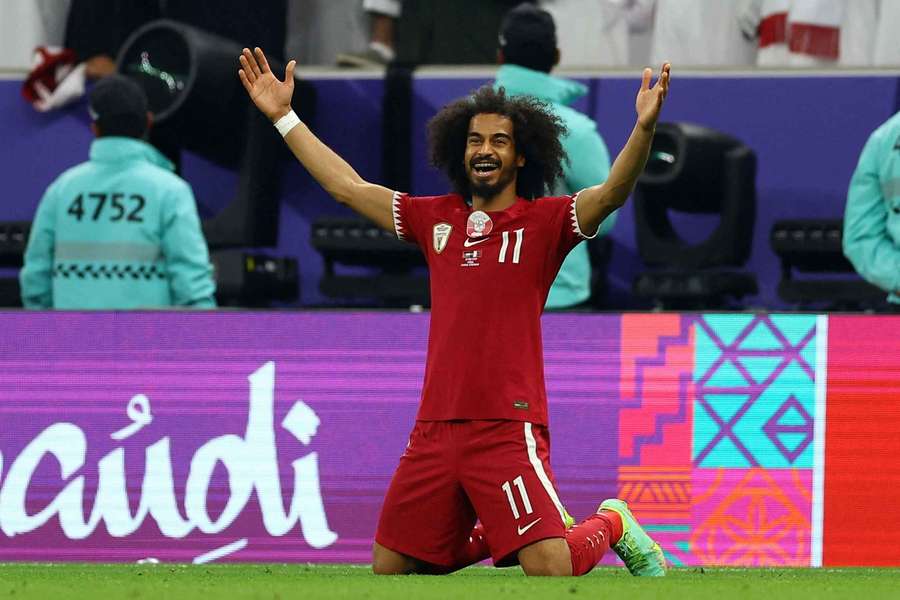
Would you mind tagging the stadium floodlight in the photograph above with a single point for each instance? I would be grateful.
(190, 77)
(694, 170)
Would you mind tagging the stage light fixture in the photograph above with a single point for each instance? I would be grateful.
(696, 171)
(394, 270)
(813, 248)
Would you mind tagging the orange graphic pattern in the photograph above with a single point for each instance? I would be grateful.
(751, 517)
(657, 494)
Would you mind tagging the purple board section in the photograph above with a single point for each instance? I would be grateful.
(807, 132)
(248, 436)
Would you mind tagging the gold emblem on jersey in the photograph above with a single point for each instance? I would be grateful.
(441, 235)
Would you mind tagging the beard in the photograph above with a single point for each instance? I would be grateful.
(489, 191)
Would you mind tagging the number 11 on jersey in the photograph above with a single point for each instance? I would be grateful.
(517, 248)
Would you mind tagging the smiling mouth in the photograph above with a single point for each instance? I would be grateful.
(484, 168)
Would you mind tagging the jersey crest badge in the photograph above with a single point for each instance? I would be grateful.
(479, 224)
(441, 235)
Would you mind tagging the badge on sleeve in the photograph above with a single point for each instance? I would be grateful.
(479, 224)
(441, 235)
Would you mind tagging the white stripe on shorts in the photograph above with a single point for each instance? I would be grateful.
(531, 444)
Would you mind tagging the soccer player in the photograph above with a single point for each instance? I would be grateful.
(480, 447)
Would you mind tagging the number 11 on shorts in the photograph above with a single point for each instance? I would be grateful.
(526, 503)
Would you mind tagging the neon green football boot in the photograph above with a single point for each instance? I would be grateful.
(568, 520)
(642, 556)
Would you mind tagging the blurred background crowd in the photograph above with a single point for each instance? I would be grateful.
(594, 33)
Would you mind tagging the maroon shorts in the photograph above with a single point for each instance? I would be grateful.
(456, 472)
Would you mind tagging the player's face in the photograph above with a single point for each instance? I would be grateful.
(491, 158)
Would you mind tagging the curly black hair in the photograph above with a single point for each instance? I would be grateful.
(536, 132)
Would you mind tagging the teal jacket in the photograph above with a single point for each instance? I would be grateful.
(588, 165)
(872, 216)
(120, 231)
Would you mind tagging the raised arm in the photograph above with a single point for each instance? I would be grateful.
(273, 98)
(597, 202)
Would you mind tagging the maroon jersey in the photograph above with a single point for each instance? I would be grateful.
(490, 275)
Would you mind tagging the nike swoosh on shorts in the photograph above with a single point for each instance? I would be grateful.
(522, 530)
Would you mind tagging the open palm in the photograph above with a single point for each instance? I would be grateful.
(271, 96)
(650, 99)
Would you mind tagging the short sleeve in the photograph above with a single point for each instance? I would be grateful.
(565, 221)
(409, 216)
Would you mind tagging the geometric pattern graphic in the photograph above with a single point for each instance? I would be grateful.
(661, 499)
(755, 391)
(655, 390)
(655, 407)
(717, 419)
(752, 517)
(659, 494)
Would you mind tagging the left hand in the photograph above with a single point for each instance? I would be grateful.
(650, 99)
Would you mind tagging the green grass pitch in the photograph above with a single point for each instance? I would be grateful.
(166, 581)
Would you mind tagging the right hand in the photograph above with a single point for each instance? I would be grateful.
(650, 99)
(271, 96)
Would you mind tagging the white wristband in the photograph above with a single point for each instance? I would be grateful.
(286, 123)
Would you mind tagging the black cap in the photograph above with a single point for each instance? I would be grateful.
(118, 105)
(528, 31)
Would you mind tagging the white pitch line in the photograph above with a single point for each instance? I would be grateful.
(220, 552)
(818, 498)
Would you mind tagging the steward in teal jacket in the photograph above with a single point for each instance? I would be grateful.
(588, 165)
(120, 231)
(872, 217)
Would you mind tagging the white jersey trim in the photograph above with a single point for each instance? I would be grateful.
(398, 222)
(538, 466)
(575, 226)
